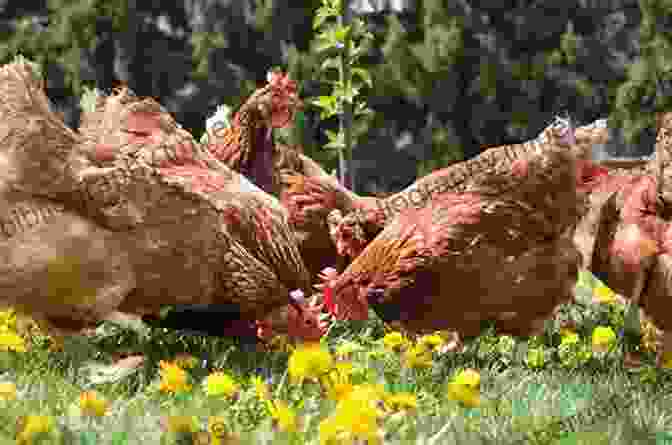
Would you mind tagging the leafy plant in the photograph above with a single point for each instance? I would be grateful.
(341, 43)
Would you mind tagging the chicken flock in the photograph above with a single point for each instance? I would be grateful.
(130, 214)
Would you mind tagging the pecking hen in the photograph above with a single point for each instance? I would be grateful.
(82, 243)
(632, 234)
(484, 248)
(486, 172)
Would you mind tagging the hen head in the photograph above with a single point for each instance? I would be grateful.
(300, 320)
(277, 101)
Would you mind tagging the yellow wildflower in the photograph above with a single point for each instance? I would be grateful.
(11, 341)
(418, 356)
(603, 338)
(219, 433)
(173, 378)
(32, 426)
(261, 388)
(337, 383)
(433, 341)
(284, 417)
(536, 358)
(7, 391)
(92, 404)
(604, 295)
(465, 388)
(309, 361)
(395, 341)
(180, 424)
(346, 349)
(402, 401)
(220, 384)
(569, 338)
(355, 418)
(8, 320)
(185, 361)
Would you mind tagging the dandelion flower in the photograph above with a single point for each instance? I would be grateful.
(337, 383)
(394, 341)
(535, 358)
(309, 361)
(261, 388)
(32, 426)
(569, 338)
(220, 384)
(355, 419)
(218, 430)
(7, 391)
(346, 349)
(418, 356)
(92, 404)
(11, 341)
(603, 338)
(433, 341)
(173, 378)
(284, 417)
(465, 388)
(179, 424)
(402, 401)
(604, 295)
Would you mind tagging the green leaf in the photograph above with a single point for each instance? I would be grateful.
(320, 17)
(324, 43)
(340, 33)
(88, 438)
(330, 63)
(325, 102)
(337, 141)
(362, 74)
(119, 438)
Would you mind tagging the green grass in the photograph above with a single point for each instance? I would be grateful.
(568, 400)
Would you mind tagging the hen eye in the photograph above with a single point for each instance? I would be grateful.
(309, 322)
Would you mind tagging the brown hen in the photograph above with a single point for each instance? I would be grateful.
(159, 223)
(500, 249)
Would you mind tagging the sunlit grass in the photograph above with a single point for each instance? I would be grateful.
(568, 386)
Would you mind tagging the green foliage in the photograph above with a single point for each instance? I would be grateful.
(71, 30)
(89, 99)
(641, 95)
(203, 43)
(341, 47)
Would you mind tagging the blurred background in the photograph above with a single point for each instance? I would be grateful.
(450, 77)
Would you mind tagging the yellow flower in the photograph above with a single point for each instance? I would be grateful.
(434, 341)
(180, 424)
(603, 338)
(8, 320)
(186, 361)
(92, 404)
(403, 401)
(32, 426)
(346, 349)
(337, 383)
(604, 295)
(418, 357)
(10, 341)
(569, 338)
(284, 418)
(465, 388)
(355, 418)
(173, 378)
(309, 361)
(261, 388)
(219, 433)
(536, 358)
(7, 391)
(394, 341)
(220, 384)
